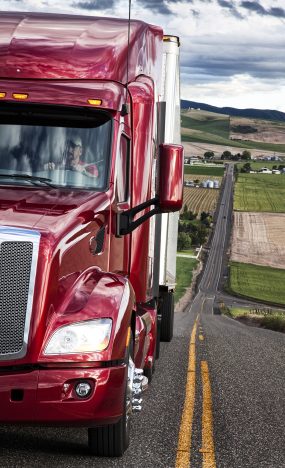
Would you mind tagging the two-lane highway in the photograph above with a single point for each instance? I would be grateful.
(239, 416)
(216, 400)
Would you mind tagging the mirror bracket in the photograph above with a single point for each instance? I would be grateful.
(125, 219)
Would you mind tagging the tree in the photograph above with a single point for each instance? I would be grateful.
(184, 241)
(192, 215)
(226, 155)
(246, 168)
(184, 214)
(209, 155)
(246, 155)
(204, 215)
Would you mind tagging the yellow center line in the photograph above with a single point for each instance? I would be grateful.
(185, 433)
(201, 337)
(208, 448)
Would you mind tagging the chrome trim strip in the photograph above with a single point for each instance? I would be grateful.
(11, 234)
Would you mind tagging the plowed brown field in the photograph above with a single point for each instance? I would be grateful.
(259, 238)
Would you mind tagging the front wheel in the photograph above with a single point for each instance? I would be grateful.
(113, 440)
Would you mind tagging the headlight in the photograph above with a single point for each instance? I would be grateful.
(83, 337)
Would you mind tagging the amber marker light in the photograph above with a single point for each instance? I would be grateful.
(20, 96)
(95, 102)
(2, 95)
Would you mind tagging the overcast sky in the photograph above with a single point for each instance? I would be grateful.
(232, 51)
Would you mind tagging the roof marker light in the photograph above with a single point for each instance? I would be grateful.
(20, 96)
(2, 95)
(95, 102)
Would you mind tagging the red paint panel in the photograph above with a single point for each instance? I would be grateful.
(45, 401)
(142, 96)
(68, 93)
(50, 46)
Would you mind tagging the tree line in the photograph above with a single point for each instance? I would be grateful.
(192, 231)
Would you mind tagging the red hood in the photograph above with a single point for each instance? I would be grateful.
(47, 210)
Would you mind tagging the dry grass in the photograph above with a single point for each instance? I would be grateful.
(258, 238)
(267, 131)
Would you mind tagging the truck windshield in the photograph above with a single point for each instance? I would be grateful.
(56, 151)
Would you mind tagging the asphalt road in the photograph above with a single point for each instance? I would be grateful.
(216, 400)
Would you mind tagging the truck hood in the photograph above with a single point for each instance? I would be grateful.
(48, 210)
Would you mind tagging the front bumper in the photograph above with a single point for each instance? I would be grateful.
(47, 396)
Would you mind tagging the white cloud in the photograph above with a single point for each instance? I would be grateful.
(226, 60)
(237, 91)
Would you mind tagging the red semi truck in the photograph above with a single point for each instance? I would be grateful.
(91, 173)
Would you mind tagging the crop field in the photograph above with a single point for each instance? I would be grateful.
(211, 128)
(200, 199)
(258, 238)
(216, 171)
(260, 192)
(258, 282)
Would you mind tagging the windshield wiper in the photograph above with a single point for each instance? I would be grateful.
(43, 180)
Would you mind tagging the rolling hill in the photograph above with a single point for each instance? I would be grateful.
(265, 114)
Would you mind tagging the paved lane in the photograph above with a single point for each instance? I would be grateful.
(239, 418)
(232, 387)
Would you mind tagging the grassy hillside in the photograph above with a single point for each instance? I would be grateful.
(207, 127)
(260, 192)
(258, 282)
(215, 125)
(184, 274)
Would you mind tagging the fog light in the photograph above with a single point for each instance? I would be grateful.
(83, 389)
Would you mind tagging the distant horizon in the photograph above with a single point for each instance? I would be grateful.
(232, 107)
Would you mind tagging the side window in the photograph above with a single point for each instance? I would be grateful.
(123, 168)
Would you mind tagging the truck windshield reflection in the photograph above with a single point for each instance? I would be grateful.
(67, 157)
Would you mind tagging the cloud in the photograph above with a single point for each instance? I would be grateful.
(158, 6)
(94, 5)
(256, 7)
(231, 8)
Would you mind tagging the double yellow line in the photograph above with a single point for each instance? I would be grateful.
(185, 434)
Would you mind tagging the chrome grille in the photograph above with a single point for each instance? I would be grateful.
(15, 272)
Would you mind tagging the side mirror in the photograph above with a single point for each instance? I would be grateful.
(171, 169)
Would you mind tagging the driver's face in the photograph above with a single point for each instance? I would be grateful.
(74, 155)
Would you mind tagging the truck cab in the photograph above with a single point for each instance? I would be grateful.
(83, 174)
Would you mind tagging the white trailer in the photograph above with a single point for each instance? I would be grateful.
(167, 224)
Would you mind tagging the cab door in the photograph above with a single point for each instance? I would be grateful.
(120, 246)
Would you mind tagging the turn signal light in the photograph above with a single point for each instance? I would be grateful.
(2, 95)
(20, 96)
(95, 102)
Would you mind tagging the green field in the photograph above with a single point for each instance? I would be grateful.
(205, 127)
(257, 165)
(258, 282)
(184, 274)
(273, 319)
(209, 124)
(260, 192)
(204, 170)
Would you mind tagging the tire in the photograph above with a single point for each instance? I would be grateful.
(157, 345)
(167, 316)
(113, 440)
